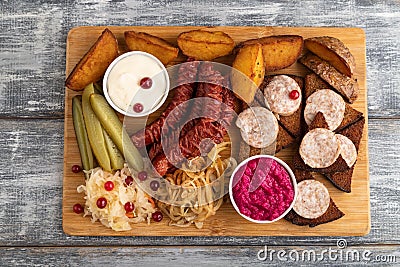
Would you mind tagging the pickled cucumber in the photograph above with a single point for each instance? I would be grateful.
(98, 88)
(94, 130)
(113, 126)
(117, 160)
(81, 134)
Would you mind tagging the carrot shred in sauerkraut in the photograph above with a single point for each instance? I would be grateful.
(114, 214)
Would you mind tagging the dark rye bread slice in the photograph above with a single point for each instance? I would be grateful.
(332, 213)
(339, 165)
(351, 116)
(291, 123)
(354, 132)
(246, 151)
(314, 83)
(343, 84)
(301, 175)
(342, 180)
(283, 140)
(318, 122)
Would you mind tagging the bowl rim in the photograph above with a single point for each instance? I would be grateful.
(120, 110)
(291, 174)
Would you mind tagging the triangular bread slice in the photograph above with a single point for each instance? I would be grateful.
(313, 83)
(351, 116)
(339, 165)
(354, 132)
(301, 175)
(293, 123)
(318, 122)
(333, 213)
(283, 140)
(246, 151)
(342, 180)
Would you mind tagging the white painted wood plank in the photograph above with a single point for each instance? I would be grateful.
(32, 63)
(33, 34)
(203, 256)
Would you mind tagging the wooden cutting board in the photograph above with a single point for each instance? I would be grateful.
(226, 222)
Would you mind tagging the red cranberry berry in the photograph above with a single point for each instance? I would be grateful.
(109, 186)
(138, 107)
(129, 180)
(76, 168)
(294, 94)
(154, 185)
(129, 206)
(101, 203)
(157, 216)
(142, 176)
(146, 83)
(77, 208)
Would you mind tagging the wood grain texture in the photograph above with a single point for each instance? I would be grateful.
(204, 256)
(33, 34)
(226, 222)
(31, 213)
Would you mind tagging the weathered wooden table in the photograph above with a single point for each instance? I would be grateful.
(32, 63)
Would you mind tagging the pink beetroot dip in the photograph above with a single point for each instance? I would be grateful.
(271, 199)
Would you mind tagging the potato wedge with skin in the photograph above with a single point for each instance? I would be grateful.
(158, 47)
(280, 51)
(249, 62)
(334, 51)
(205, 45)
(94, 63)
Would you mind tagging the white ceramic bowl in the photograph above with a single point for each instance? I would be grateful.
(290, 172)
(157, 105)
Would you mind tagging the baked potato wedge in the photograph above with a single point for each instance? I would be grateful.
(334, 51)
(280, 51)
(205, 45)
(158, 47)
(94, 63)
(248, 71)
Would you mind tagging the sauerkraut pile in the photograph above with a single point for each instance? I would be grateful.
(114, 214)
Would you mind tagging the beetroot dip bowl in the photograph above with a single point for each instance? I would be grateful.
(262, 189)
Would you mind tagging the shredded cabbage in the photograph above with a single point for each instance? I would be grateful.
(114, 215)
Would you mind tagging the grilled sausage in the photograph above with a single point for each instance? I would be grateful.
(152, 132)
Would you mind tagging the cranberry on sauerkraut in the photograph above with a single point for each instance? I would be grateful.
(114, 214)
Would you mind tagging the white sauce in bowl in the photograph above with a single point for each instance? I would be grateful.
(122, 83)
